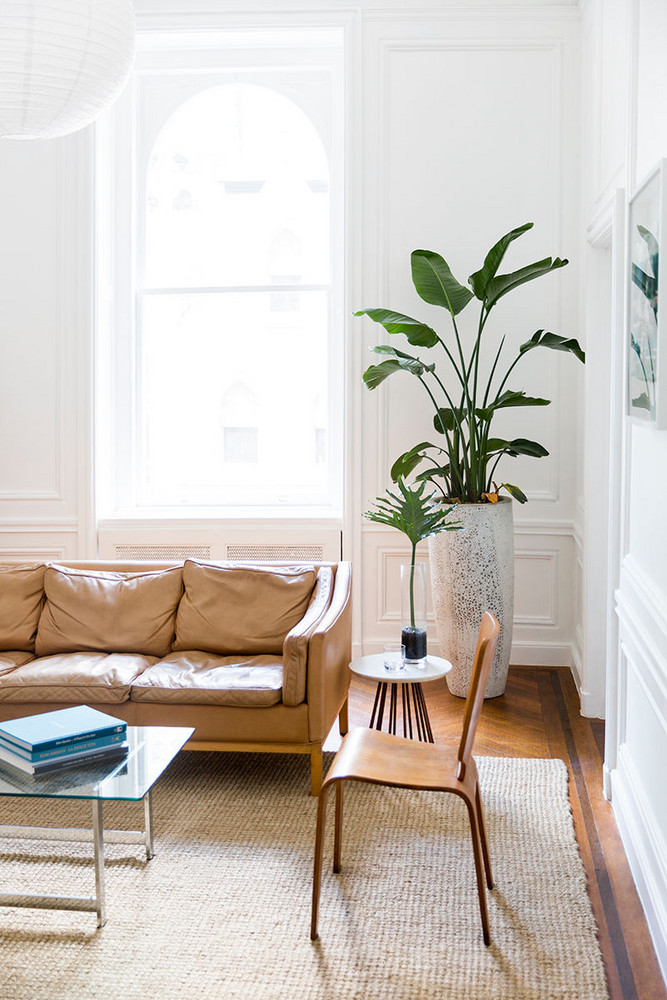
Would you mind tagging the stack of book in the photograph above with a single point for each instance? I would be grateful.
(38, 744)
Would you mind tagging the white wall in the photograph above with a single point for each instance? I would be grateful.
(45, 325)
(625, 132)
(463, 123)
(470, 129)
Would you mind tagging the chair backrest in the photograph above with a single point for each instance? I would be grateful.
(486, 647)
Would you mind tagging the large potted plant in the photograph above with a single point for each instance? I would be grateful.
(471, 570)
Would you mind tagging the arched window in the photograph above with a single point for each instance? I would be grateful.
(241, 158)
(227, 265)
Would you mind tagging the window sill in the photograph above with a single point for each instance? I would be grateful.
(204, 517)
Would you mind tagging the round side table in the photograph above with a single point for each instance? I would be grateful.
(410, 680)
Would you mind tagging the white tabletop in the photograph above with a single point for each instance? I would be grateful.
(373, 666)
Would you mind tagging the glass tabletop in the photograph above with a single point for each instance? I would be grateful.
(151, 749)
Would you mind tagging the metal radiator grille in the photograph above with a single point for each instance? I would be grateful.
(276, 553)
(158, 552)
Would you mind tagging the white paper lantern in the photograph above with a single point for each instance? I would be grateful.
(61, 63)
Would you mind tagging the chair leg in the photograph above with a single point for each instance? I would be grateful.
(479, 868)
(315, 768)
(338, 834)
(317, 867)
(343, 719)
(482, 837)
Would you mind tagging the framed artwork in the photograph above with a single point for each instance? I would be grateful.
(647, 355)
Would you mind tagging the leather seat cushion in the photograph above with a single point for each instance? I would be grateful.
(196, 677)
(9, 659)
(233, 609)
(21, 600)
(100, 611)
(83, 678)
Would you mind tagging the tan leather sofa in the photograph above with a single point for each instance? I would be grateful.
(254, 656)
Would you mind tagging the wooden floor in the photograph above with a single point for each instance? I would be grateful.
(538, 716)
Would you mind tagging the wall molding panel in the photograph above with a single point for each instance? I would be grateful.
(635, 783)
(645, 849)
(548, 575)
(542, 568)
(402, 53)
(388, 48)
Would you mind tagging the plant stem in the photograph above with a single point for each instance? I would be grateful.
(412, 585)
(437, 408)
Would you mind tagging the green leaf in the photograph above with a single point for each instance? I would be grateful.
(543, 338)
(446, 419)
(418, 334)
(515, 492)
(510, 398)
(434, 472)
(406, 462)
(376, 374)
(504, 283)
(519, 446)
(436, 284)
(653, 247)
(412, 511)
(480, 279)
(647, 285)
(394, 353)
(642, 402)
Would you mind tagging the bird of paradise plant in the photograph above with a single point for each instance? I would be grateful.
(463, 465)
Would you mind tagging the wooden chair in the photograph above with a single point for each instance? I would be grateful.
(382, 759)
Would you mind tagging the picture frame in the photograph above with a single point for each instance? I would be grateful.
(646, 322)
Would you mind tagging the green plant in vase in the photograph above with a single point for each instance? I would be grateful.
(414, 512)
(463, 463)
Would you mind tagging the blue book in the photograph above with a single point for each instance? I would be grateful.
(76, 746)
(84, 759)
(50, 730)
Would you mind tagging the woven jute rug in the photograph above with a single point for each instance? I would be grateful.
(223, 909)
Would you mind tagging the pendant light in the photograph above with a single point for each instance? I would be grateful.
(61, 63)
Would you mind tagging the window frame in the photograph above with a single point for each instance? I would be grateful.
(121, 273)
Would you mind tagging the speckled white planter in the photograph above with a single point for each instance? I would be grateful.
(472, 571)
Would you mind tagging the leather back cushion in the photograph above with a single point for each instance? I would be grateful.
(88, 610)
(234, 608)
(21, 599)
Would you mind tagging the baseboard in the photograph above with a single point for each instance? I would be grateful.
(645, 850)
(541, 654)
(524, 654)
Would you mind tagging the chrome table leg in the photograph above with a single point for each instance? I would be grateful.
(98, 842)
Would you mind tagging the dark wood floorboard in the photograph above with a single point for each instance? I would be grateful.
(538, 716)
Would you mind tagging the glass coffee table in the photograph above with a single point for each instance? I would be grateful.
(410, 679)
(151, 750)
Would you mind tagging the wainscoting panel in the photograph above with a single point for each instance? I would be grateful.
(37, 543)
(638, 780)
(543, 595)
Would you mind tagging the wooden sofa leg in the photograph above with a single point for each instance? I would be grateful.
(315, 768)
(343, 719)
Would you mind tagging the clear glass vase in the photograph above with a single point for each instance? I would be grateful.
(413, 612)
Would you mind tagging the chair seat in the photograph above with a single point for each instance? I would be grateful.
(382, 758)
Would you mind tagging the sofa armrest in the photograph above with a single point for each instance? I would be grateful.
(329, 655)
(295, 646)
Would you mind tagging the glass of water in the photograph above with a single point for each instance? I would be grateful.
(394, 656)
